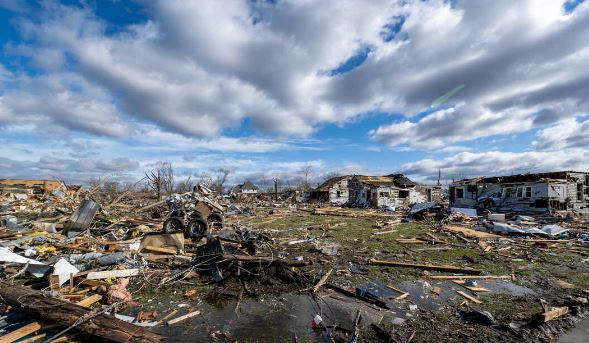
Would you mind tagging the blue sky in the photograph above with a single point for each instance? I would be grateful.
(264, 88)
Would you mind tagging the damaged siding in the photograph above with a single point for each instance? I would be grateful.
(541, 193)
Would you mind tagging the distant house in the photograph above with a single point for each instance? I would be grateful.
(31, 186)
(335, 190)
(246, 188)
(382, 191)
(539, 192)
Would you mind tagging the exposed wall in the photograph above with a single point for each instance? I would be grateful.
(527, 196)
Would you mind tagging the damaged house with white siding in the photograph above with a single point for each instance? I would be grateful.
(525, 193)
(334, 190)
(383, 191)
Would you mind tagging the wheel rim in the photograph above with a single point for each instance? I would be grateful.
(197, 229)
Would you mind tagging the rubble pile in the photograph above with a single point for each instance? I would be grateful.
(84, 265)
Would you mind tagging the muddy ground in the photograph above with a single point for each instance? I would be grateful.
(275, 308)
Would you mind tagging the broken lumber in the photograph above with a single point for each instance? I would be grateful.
(452, 269)
(112, 274)
(51, 309)
(90, 300)
(462, 277)
(182, 318)
(555, 313)
(160, 250)
(20, 332)
(322, 281)
(469, 297)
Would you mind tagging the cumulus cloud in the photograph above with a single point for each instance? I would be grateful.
(73, 170)
(194, 75)
(468, 164)
(199, 68)
(568, 133)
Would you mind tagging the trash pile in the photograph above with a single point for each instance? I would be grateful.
(85, 265)
(70, 266)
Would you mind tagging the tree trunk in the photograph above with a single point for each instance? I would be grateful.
(65, 313)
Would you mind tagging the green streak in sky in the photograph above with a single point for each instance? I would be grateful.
(447, 96)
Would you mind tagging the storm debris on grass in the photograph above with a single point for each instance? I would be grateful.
(370, 274)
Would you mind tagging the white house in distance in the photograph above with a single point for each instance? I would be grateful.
(245, 188)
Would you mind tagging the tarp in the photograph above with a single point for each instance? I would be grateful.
(550, 230)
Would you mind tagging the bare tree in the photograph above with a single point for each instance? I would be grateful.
(111, 187)
(184, 186)
(94, 182)
(161, 179)
(306, 175)
(205, 179)
(331, 175)
(220, 178)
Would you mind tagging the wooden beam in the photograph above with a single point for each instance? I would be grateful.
(20, 332)
(90, 300)
(469, 297)
(62, 312)
(322, 281)
(462, 277)
(453, 269)
(161, 250)
(112, 274)
(182, 318)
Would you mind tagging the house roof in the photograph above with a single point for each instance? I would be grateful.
(325, 186)
(398, 180)
(246, 185)
(561, 175)
(249, 185)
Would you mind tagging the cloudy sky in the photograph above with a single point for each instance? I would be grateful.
(263, 88)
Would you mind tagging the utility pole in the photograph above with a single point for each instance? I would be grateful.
(276, 188)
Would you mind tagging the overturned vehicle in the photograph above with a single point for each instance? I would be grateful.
(193, 213)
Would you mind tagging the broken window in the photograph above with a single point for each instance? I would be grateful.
(384, 194)
(520, 192)
(403, 194)
(579, 191)
(338, 194)
(528, 192)
(500, 194)
(459, 193)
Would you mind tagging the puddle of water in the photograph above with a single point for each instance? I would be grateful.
(580, 333)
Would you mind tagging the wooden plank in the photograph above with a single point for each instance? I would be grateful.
(37, 338)
(20, 332)
(403, 293)
(90, 300)
(322, 281)
(182, 318)
(555, 313)
(57, 311)
(471, 288)
(469, 297)
(161, 250)
(462, 277)
(169, 315)
(442, 268)
(470, 232)
(112, 274)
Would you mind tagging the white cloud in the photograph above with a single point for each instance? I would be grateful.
(565, 134)
(491, 163)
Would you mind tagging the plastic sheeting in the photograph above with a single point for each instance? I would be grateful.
(549, 230)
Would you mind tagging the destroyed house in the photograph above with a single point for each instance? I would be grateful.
(540, 192)
(30, 186)
(334, 190)
(246, 188)
(383, 191)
